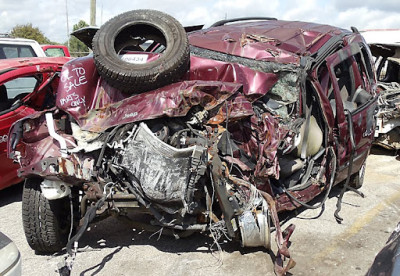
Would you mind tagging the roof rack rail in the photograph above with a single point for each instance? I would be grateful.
(354, 30)
(5, 35)
(226, 21)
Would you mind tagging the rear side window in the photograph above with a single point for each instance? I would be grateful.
(54, 52)
(15, 51)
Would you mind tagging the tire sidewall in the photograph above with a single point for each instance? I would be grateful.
(165, 24)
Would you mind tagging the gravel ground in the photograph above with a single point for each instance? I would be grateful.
(320, 246)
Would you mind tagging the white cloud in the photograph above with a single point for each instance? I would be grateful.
(382, 5)
(50, 16)
(368, 19)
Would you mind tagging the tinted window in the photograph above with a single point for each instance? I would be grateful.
(15, 51)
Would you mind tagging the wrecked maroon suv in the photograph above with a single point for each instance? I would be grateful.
(217, 129)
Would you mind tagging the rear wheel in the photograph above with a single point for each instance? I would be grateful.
(357, 179)
(46, 222)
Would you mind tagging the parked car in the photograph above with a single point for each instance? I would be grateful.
(27, 85)
(56, 50)
(385, 47)
(10, 257)
(11, 47)
(215, 130)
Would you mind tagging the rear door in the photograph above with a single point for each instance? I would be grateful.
(354, 100)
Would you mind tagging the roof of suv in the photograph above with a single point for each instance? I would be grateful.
(17, 40)
(271, 40)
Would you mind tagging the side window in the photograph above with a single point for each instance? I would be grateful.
(54, 52)
(16, 51)
(390, 70)
(14, 90)
(26, 51)
(354, 81)
(352, 77)
(368, 63)
(24, 85)
(364, 69)
(381, 68)
(345, 78)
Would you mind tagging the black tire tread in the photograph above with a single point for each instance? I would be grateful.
(138, 81)
(40, 218)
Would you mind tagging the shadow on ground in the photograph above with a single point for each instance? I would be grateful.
(376, 150)
(113, 232)
(11, 195)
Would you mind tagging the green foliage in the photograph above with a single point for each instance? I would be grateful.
(30, 32)
(76, 47)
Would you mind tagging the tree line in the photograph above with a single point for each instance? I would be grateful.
(76, 47)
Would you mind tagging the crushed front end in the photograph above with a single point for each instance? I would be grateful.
(196, 155)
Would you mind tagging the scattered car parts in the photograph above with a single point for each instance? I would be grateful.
(385, 48)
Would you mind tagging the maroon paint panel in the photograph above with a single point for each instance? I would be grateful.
(255, 83)
(278, 41)
(96, 106)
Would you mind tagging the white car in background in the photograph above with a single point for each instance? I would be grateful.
(11, 47)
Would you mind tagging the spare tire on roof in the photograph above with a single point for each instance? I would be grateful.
(118, 44)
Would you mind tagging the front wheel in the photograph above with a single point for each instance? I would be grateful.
(47, 223)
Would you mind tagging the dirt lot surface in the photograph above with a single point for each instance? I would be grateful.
(320, 246)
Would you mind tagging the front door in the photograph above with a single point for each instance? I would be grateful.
(354, 101)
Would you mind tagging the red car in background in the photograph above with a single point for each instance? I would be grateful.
(26, 85)
(56, 50)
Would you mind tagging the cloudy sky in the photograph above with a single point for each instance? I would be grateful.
(50, 16)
